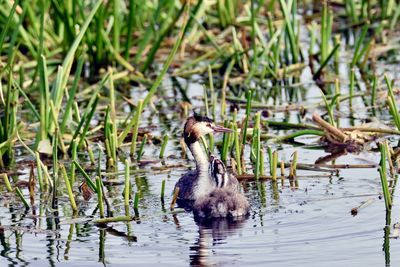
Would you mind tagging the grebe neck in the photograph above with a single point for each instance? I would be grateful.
(204, 184)
(200, 157)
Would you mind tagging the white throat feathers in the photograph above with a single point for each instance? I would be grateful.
(204, 184)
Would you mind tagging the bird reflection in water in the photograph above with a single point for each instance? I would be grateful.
(211, 233)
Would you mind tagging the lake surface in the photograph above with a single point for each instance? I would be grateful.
(308, 223)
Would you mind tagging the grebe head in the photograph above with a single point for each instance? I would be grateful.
(217, 172)
(197, 126)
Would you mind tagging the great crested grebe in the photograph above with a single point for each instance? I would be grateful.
(197, 183)
(223, 200)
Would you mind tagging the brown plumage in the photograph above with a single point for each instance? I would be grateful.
(191, 132)
(224, 200)
(212, 189)
(196, 183)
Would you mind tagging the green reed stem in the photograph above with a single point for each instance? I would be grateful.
(326, 25)
(73, 158)
(127, 184)
(135, 123)
(7, 182)
(168, 62)
(249, 96)
(325, 62)
(110, 146)
(164, 31)
(391, 100)
(69, 188)
(329, 107)
(383, 175)
(57, 134)
(253, 29)
(238, 155)
(39, 172)
(395, 17)
(69, 58)
(89, 111)
(274, 164)
(294, 163)
(224, 86)
(225, 144)
(71, 97)
(337, 92)
(140, 152)
(282, 165)
(44, 97)
(270, 159)
(163, 146)
(117, 24)
(86, 119)
(28, 101)
(86, 176)
(257, 144)
(262, 167)
(205, 98)
(352, 80)
(313, 38)
(8, 24)
(205, 145)
(100, 196)
(212, 91)
(90, 153)
(21, 196)
(131, 18)
(55, 166)
(113, 114)
(136, 201)
(43, 175)
(373, 93)
(336, 59)
(162, 190)
(290, 30)
(357, 54)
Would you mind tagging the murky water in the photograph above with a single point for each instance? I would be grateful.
(306, 224)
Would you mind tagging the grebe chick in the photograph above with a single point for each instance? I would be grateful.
(219, 174)
(223, 200)
(197, 182)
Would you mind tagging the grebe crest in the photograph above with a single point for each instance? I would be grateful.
(197, 126)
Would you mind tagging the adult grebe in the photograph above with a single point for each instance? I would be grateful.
(223, 200)
(197, 182)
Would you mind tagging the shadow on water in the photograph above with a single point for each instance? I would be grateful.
(210, 234)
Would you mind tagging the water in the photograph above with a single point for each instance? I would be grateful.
(309, 224)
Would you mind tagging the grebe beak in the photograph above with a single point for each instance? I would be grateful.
(220, 129)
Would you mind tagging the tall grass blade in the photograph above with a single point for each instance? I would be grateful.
(169, 59)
